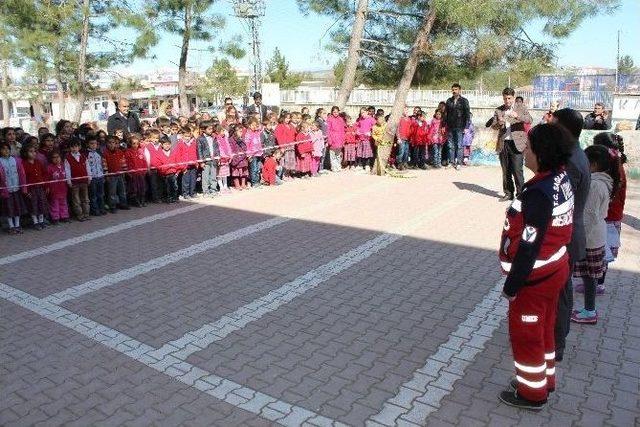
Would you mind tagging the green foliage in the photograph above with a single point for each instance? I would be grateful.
(626, 65)
(220, 80)
(45, 37)
(171, 16)
(125, 85)
(278, 72)
(469, 37)
(338, 73)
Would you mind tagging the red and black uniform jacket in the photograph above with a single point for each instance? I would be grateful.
(536, 231)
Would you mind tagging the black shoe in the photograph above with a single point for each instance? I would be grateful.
(113, 210)
(511, 398)
(505, 198)
(513, 385)
(124, 207)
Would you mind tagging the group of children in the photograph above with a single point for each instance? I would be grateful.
(603, 213)
(423, 141)
(83, 172)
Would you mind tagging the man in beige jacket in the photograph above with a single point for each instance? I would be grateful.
(509, 119)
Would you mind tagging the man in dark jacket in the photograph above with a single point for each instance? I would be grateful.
(580, 177)
(257, 107)
(123, 119)
(457, 117)
(599, 119)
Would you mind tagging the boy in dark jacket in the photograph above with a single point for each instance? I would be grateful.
(208, 156)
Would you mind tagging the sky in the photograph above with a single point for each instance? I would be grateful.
(302, 39)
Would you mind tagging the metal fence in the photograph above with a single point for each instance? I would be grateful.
(581, 100)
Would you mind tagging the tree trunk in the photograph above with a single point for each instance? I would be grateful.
(82, 61)
(62, 105)
(418, 49)
(182, 68)
(4, 92)
(353, 56)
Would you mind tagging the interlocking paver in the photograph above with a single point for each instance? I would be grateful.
(342, 350)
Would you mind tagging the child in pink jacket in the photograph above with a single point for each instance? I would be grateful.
(58, 189)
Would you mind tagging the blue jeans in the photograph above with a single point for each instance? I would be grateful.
(436, 155)
(255, 167)
(189, 177)
(209, 178)
(96, 195)
(454, 141)
(117, 192)
(403, 152)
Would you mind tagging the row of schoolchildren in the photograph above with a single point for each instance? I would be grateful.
(354, 144)
(603, 213)
(47, 177)
(423, 141)
(105, 173)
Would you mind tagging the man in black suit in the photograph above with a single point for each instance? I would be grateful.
(257, 107)
(123, 119)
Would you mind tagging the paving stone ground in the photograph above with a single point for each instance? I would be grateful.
(336, 300)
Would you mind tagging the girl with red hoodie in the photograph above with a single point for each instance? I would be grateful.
(350, 142)
(304, 149)
(137, 167)
(285, 134)
(57, 189)
(418, 140)
(35, 174)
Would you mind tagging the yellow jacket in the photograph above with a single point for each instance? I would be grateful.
(377, 133)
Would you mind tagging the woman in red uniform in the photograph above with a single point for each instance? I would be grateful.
(534, 257)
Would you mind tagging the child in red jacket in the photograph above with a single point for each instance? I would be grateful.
(168, 169)
(137, 170)
(418, 140)
(187, 154)
(350, 141)
(35, 175)
(116, 163)
(57, 189)
(404, 136)
(304, 149)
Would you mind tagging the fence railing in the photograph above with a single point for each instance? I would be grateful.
(581, 100)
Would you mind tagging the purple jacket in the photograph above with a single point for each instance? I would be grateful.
(468, 137)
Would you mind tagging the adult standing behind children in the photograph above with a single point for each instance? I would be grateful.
(257, 108)
(457, 117)
(580, 177)
(123, 119)
(509, 119)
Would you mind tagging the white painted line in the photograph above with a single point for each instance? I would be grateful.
(163, 261)
(423, 394)
(194, 341)
(97, 234)
(261, 404)
(173, 257)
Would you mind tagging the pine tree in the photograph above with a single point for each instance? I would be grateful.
(278, 72)
(220, 80)
(192, 20)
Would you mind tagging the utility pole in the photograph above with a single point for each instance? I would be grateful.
(252, 11)
(618, 65)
